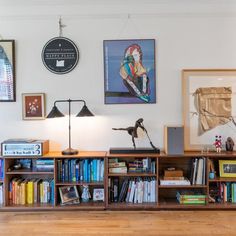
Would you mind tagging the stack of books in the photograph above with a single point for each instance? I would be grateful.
(31, 191)
(46, 165)
(173, 176)
(142, 165)
(189, 197)
(116, 167)
(136, 190)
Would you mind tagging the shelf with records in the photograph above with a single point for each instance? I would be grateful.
(138, 190)
(132, 181)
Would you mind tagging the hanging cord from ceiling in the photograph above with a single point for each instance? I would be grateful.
(61, 26)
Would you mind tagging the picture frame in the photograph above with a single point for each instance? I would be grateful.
(129, 71)
(216, 79)
(69, 194)
(33, 106)
(227, 168)
(98, 194)
(7, 71)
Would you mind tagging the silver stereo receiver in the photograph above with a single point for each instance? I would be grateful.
(24, 147)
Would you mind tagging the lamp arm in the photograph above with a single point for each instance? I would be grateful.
(69, 100)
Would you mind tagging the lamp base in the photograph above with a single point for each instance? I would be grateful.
(70, 151)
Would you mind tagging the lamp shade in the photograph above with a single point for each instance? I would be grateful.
(84, 112)
(55, 113)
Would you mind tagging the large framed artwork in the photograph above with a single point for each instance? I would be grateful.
(209, 107)
(7, 71)
(129, 71)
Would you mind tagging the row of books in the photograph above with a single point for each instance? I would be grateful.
(31, 191)
(74, 170)
(1, 169)
(223, 192)
(198, 171)
(46, 165)
(145, 165)
(190, 197)
(1, 194)
(136, 190)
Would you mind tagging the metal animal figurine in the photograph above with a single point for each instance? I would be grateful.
(132, 130)
(229, 144)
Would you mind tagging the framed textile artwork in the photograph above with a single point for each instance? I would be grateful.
(129, 71)
(33, 105)
(209, 99)
(7, 71)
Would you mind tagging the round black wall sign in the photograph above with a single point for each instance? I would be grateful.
(60, 55)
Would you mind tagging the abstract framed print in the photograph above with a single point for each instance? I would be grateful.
(129, 71)
(7, 71)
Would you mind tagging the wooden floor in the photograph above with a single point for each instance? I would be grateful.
(119, 223)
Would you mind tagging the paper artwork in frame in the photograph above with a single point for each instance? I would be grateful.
(129, 71)
(227, 168)
(209, 107)
(33, 106)
(7, 71)
(69, 194)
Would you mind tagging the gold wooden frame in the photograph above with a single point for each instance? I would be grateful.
(222, 164)
(204, 73)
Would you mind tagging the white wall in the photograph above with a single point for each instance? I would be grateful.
(189, 34)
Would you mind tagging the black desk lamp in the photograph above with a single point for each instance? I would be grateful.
(54, 113)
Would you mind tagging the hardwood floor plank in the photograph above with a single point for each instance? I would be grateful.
(166, 223)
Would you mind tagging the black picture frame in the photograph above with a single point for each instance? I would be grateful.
(7, 71)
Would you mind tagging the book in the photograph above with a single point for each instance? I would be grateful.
(175, 182)
(118, 170)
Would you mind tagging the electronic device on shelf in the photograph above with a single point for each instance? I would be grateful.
(24, 147)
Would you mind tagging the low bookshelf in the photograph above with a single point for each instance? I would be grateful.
(118, 182)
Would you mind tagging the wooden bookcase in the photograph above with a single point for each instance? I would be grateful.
(165, 196)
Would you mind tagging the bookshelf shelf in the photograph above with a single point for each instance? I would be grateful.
(80, 183)
(220, 179)
(132, 174)
(123, 205)
(182, 186)
(83, 206)
(29, 172)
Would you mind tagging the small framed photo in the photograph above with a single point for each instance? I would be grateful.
(33, 106)
(7, 71)
(227, 168)
(98, 194)
(68, 194)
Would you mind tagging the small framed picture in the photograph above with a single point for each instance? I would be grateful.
(227, 168)
(98, 194)
(68, 194)
(33, 106)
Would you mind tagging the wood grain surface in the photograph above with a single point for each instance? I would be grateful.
(176, 223)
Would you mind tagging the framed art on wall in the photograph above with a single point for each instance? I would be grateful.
(33, 106)
(209, 99)
(129, 71)
(7, 71)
